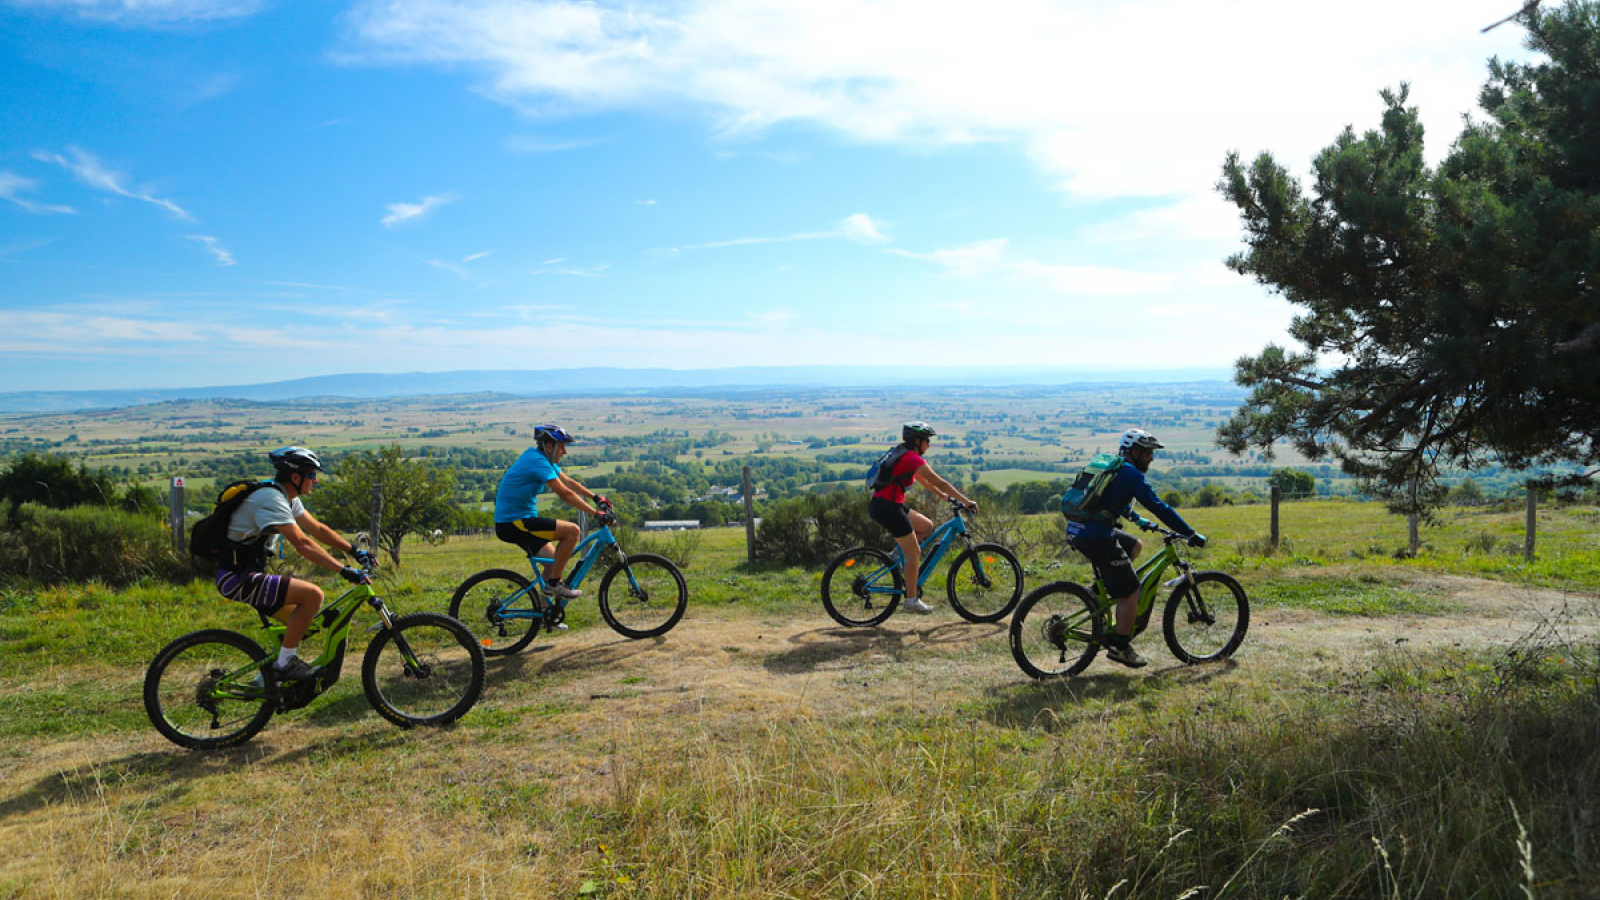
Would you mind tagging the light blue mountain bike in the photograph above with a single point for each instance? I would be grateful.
(863, 586)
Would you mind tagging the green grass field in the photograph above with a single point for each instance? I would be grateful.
(1392, 727)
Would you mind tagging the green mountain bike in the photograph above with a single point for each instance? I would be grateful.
(216, 688)
(1058, 628)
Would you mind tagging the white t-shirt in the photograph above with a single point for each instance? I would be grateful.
(263, 509)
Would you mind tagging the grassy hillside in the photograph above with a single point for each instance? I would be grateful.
(1392, 727)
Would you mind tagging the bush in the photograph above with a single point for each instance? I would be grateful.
(811, 530)
(84, 543)
(679, 545)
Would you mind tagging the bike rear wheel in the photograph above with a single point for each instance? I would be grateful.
(426, 670)
(1206, 621)
(1056, 630)
(855, 587)
(985, 583)
(509, 627)
(647, 599)
(200, 694)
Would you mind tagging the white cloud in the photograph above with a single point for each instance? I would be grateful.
(528, 144)
(215, 248)
(91, 171)
(476, 256)
(858, 227)
(993, 258)
(405, 212)
(147, 12)
(1140, 98)
(12, 184)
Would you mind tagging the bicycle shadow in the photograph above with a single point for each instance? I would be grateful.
(1050, 704)
(819, 647)
(568, 660)
(86, 783)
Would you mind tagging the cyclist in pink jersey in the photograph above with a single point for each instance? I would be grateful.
(907, 526)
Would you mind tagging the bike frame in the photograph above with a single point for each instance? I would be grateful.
(939, 540)
(587, 553)
(1150, 583)
(335, 619)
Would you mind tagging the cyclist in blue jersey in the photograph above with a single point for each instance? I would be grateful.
(516, 504)
(1113, 551)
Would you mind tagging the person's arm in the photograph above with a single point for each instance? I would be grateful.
(304, 545)
(568, 489)
(931, 480)
(1146, 495)
(323, 534)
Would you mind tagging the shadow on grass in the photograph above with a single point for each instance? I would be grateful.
(168, 770)
(1052, 703)
(567, 660)
(816, 648)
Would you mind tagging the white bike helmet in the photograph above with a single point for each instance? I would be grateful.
(1137, 437)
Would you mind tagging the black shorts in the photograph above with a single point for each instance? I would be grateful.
(529, 534)
(892, 516)
(1112, 561)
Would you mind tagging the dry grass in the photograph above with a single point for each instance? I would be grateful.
(759, 751)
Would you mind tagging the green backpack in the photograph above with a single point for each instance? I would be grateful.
(1082, 501)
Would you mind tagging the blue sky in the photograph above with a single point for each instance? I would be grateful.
(236, 191)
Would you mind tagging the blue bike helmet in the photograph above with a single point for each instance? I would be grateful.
(552, 434)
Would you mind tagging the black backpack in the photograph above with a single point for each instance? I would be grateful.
(882, 471)
(208, 539)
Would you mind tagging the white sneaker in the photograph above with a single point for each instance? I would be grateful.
(561, 591)
(916, 605)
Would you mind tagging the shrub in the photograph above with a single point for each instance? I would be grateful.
(679, 545)
(810, 530)
(85, 543)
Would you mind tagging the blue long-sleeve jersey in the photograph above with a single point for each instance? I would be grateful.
(1128, 485)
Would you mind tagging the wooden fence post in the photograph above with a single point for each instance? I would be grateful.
(1533, 523)
(1277, 495)
(749, 520)
(177, 517)
(374, 530)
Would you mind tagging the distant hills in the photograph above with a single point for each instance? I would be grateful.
(611, 381)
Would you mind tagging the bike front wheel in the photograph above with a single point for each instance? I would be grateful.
(1205, 620)
(862, 587)
(426, 670)
(985, 583)
(647, 599)
(209, 689)
(501, 607)
(1056, 631)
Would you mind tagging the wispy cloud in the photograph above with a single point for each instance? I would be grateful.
(91, 171)
(12, 184)
(645, 202)
(993, 257)
(147, 12)
(522, 143)
(1149, 72)
(591, 272)
(858, 227)
(215, 248)
(476, 256)
(405, 212)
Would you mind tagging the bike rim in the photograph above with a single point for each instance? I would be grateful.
(438, 679)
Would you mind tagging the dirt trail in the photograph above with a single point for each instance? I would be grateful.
(733, 665)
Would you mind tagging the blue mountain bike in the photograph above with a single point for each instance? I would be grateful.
(863, 586)
(641, 595)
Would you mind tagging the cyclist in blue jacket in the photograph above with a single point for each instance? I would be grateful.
(1113, 551)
